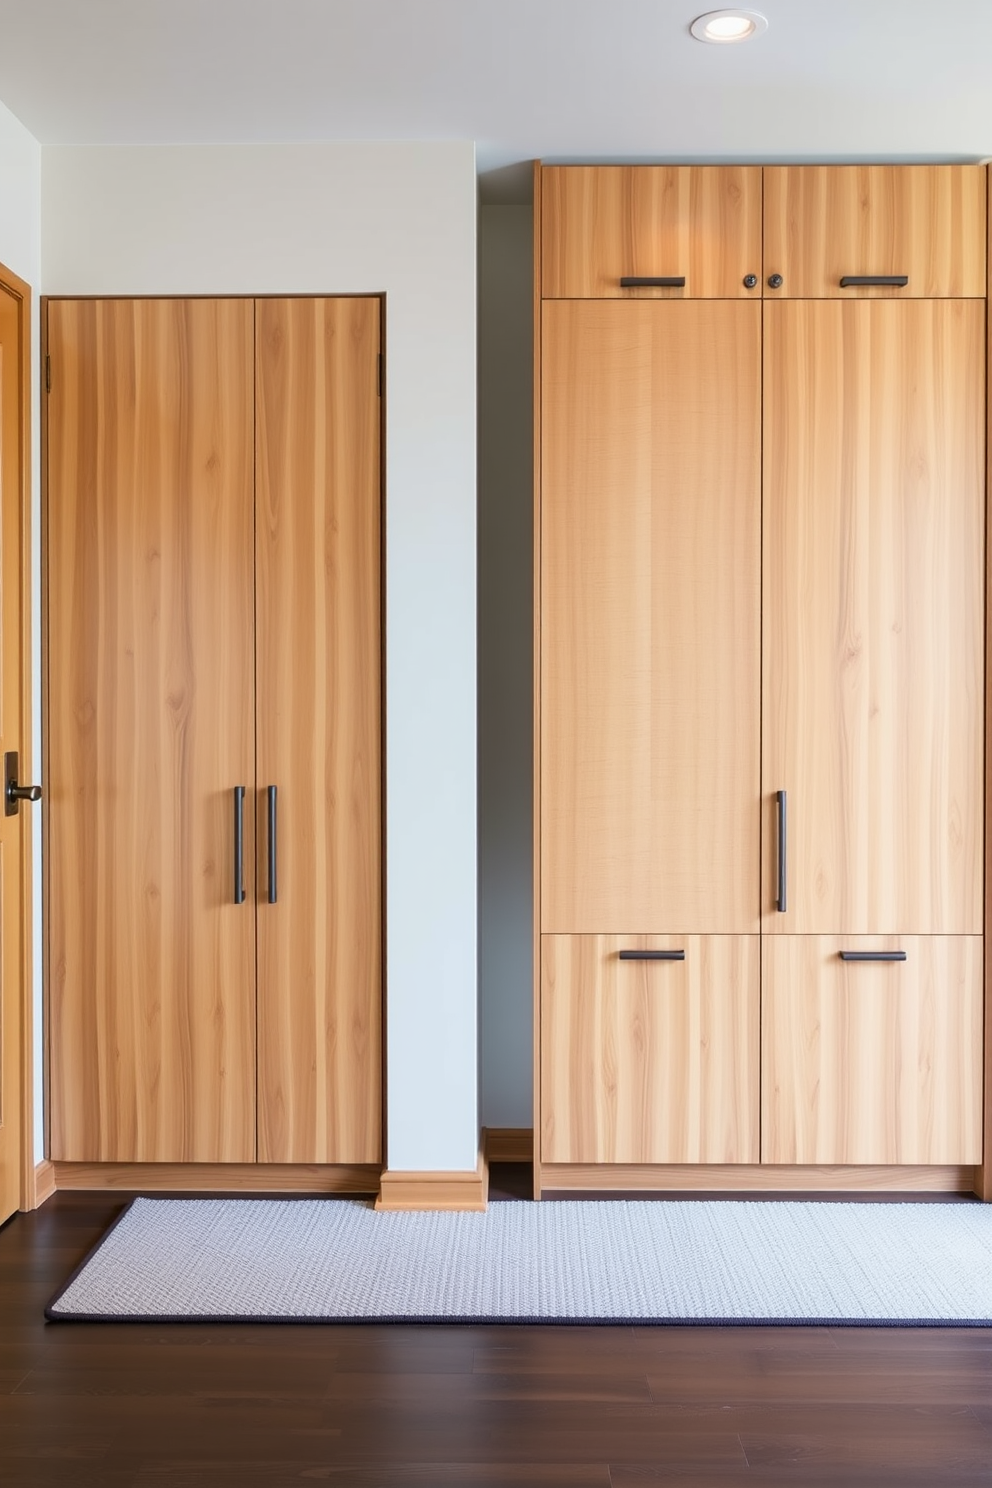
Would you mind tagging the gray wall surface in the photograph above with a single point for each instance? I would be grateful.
(505, 670)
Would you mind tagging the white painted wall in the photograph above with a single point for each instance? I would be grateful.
(506, 463)
(20, 250)
(353, 217)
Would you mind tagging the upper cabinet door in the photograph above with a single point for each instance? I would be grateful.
(603, 224)
(827, 224)
(650, 605)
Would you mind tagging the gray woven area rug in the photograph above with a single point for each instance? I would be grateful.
(622, 1261)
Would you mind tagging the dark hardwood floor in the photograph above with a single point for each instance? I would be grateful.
(525, 1407)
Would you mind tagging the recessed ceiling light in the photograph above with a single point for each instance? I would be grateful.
(728, 25)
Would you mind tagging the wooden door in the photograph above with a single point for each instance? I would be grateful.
(14, 829)
(649, 1060)
(650, 550)
(868, 1061)
(828, 223)
(874, 554)
(319, 691)
(150, 729)
(604, 223)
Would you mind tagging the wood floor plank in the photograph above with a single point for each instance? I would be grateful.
(841, 1438)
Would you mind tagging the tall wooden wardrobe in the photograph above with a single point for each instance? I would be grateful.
(213, 731)
(760, 677)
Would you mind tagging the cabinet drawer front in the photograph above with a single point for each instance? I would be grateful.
(649, 1061)
(601, 224)
(924, 223)
(870, 1061)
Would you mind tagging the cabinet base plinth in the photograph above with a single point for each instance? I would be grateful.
(753, 1178)
(164, 1177)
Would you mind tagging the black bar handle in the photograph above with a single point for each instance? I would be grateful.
(239, 844)
(652, 955)
(271, 793)
(873, 955)
(664, 281)
(850, 280)
(782, 845)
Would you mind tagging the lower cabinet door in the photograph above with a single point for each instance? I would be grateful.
(871, 1060)
(649, 1048)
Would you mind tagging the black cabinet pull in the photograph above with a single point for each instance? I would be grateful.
(782, 844)
(652, 955)
(271, 793)
(239, 844)
(849, 281)
(671, 281)
(873, 955)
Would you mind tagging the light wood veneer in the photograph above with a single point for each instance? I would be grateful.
(150, 702)
(823, 222)
(601, 223)
(874, 584)
(275, 1178)
(872, 1062)
(768, 1178)
(649, 1061)
(318, 733)
(650, 605)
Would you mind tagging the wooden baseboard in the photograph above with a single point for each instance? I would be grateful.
(508, 1144)
(44, 1182)
(743, 1178)
(459, 1190)
(315, 1178)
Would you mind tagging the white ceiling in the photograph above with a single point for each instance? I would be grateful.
(558, 79)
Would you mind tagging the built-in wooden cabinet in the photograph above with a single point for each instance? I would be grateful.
(867, 423)
(213, 819)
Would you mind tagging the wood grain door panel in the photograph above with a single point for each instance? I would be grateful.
(868, 1062)
(604, 222)
(827, 222)
(649, 1061)
(873, 676)
(650, 537)
(319, 684)
(150, 727)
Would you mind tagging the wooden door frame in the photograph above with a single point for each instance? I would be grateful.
(21, 292)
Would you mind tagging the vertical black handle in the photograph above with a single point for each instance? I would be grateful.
(239, 844)
(782, 841)
(271, 793)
